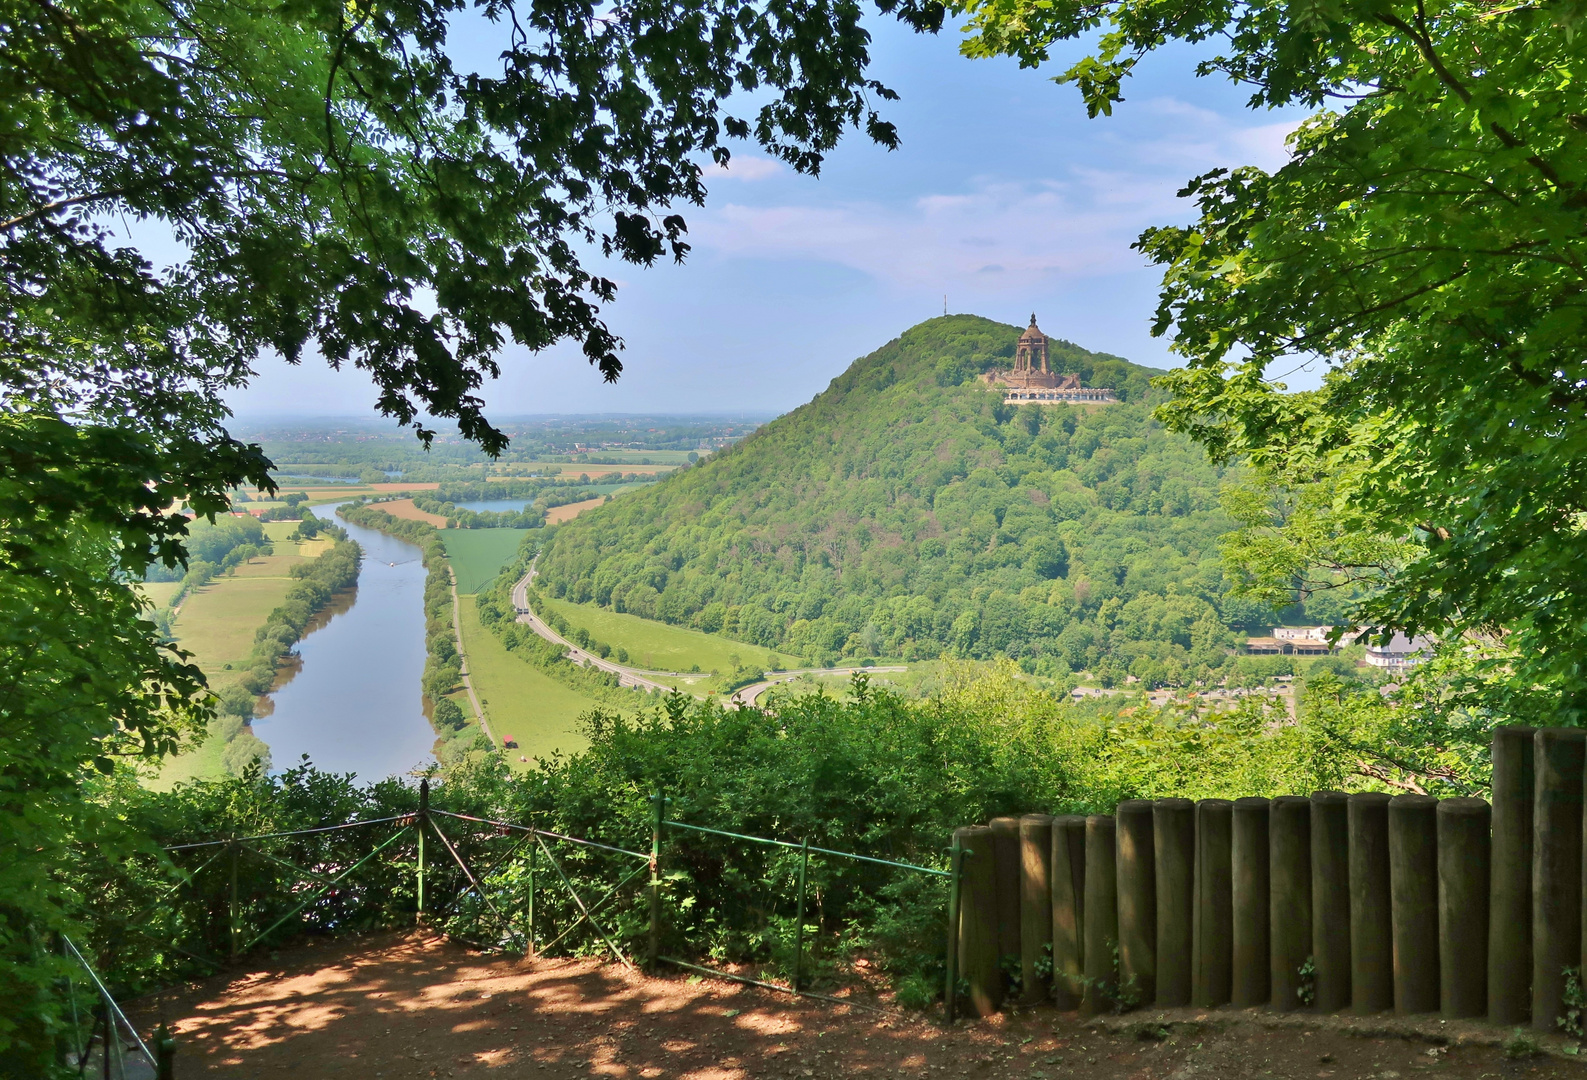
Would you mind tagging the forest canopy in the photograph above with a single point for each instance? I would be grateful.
(909, 512)
(1427, 240)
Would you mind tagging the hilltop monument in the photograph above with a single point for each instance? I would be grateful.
(1032, 380)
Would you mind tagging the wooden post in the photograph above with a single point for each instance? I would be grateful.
(1510, 893)
(1557, 762)
(1212, 947)
(235, 906)
(1289, 856)
(1413, 884)
(1371, 918)
(1101, 915)
(1005, 841)
(1174, 849)
(164, 1053)
(1463, 884)
(1035, 904)
(950, 992)
(1137, 886)
(1330, 898)
(978, 932)
(799, 918)
(1068, 869)
(1252, 898)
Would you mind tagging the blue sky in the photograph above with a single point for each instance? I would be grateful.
(1004, 198)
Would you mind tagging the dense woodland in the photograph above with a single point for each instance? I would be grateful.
(907, 512)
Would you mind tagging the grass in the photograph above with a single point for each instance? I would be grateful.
(477, 555)
(202, 761)
(521, 702)
(659, 647)
(217, 622)
(217, 625)
(158, 593)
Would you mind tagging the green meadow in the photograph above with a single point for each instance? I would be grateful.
(477, 555)
(658, 647)
(521, 702)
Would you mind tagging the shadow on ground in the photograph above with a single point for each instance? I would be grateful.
(416, 1006)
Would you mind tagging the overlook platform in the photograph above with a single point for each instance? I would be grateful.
(416, 1006)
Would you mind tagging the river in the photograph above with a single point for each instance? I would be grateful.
(355, 704)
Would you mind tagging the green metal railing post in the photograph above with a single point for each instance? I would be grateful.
(799, 928)
(659, 815)
(424, 816)
(164, 1053)
(101, 1024)
(534, 852)
(950, 992)
(236, 912)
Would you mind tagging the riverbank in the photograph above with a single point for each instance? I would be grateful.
(496, 697)
(460, 726)
(240, 626)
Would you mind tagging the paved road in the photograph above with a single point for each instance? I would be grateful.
(626, 676)
(462, 657)
(629, 676)
(748, 694)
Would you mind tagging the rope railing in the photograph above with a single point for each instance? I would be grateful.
(805, 849)
(495, 884)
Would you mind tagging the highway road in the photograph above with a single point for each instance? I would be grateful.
(626, 676)
(639, 677)
(750, 693)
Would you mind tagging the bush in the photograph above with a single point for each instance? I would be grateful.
(448, 714)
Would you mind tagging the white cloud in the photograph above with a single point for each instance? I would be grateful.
(744, 167)
(1079, 223)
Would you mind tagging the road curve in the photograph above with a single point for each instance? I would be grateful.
(626, 676)
(748, 694)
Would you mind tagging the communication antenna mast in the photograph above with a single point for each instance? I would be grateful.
(944, 303)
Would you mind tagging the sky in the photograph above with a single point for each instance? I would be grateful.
(1004, 199)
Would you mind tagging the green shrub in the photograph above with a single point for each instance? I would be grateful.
(448, 714)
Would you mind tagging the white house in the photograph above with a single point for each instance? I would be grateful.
(1292, 641)
(1401, 652)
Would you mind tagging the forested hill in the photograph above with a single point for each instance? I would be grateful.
(906, 511)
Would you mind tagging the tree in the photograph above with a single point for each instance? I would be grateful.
(1426, 240)
(334, 183)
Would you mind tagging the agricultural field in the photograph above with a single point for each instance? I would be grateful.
(558, 514)
(404, 508)
(520, 701)
(201, 761)
(158, 593)
(217, 623)
(650, 461)
(657, 646)
(477, 555)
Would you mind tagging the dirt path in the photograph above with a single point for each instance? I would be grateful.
(416, 1006)
(468, 681)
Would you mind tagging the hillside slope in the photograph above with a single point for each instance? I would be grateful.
(905, 511)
